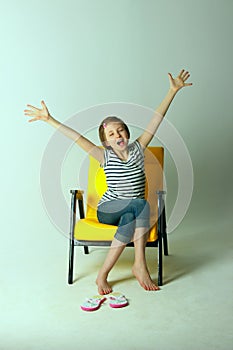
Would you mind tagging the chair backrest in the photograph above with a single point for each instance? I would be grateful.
(154, 163)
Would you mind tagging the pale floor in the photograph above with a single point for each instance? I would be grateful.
(193, 310)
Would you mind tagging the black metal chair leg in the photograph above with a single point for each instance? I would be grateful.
(86, 250)
(161, 230)
(160, 237)
(164, 231)
(165, 244)
(71, 262)
(160, 251)
(71, 240)
(160, 262)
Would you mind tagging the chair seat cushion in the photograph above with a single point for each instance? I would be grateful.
(90, 229)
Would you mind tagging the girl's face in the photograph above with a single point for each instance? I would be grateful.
(116, 136)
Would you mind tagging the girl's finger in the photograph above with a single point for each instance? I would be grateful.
(32, 120)
(28, 112)
(188, 84)
(185, 74)
(43, 104)
(186, 77)
(170, 77)
(34, 108)
(181, 73)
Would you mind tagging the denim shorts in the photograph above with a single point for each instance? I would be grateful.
(127, 214)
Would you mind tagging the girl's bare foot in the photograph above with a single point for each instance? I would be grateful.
(143, 277)
(103, 286)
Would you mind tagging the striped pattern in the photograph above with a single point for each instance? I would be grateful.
(125, 179)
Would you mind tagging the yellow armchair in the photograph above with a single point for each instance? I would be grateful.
(88, 231)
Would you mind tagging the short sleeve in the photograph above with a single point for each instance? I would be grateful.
(106, 157)
(139, 147)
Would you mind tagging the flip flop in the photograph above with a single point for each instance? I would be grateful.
(93, 303)
(117, 300)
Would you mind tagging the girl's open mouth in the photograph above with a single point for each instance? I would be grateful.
(120, 142)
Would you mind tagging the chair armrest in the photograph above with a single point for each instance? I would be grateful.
(161, 193)
(77, 195)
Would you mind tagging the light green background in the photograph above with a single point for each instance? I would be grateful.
(77, 54)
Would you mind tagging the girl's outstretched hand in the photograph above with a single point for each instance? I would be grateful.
(179, 82)
(38, 114)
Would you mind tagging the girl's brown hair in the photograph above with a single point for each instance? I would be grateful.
(103, 125)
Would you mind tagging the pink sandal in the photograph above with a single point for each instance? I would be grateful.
(93, 303)
(117, 300)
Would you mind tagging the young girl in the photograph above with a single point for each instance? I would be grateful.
(123, 203)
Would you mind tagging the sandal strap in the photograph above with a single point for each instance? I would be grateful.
(95, 300)
(118, 298)
(92, 301)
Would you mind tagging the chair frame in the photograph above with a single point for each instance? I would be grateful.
(161, 242)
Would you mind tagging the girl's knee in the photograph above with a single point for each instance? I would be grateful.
(126, 218)
(126, 228)
(142, 206)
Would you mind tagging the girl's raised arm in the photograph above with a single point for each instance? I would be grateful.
(175, 85)
(44, 115)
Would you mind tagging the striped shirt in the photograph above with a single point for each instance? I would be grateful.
(125, 179)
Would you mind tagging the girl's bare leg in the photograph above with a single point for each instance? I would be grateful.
(115, 251)
(140, 269)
